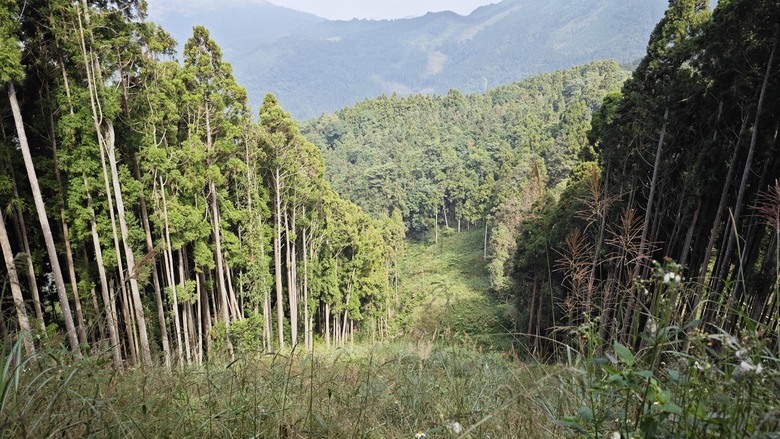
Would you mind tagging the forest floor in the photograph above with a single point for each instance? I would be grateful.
(448, 290)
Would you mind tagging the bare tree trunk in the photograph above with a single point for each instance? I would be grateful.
(220, 270)
(81, 324)
(292, 294)
(129, 256)
(327, 325)
(205, 311)
(725, 262)
(33, 283)
(170, 270)
(59, 281)
(108, 297)
(278, 259)
(155, 275)
(184, 310)
(16, 291)
(646, 226)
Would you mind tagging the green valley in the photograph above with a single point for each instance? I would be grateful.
(588, 252)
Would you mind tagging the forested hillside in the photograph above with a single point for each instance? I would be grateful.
(685, 178)
(591, 253)
(144, 211)
(323, 66)
(458, 161)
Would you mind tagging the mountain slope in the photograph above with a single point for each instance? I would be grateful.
(329, 64)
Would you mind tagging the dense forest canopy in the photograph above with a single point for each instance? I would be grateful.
(147, 213)
(173, 264)
(685, 178)
(462, 161)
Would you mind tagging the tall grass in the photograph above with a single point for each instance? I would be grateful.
(682, 381)
(391, 391)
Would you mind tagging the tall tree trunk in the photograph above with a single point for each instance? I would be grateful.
(59, 281)
(278, 258)
(630, 318)
(16, 290)
(143, 335)
(726, 259)
(220, 270)
(108, 297)
(205, 311)
(81, 324)
(168, 258)
(705, 263)
(155, 275)
(292, 296)
(33, 283)
(184, 321)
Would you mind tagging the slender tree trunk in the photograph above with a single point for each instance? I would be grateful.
(32, 282)
(16, 291)
(292, 298)
(278, 259)
(705, 263)
(129, 256)
(205, 311)
(646, 225)
(306, 325)
(59, 281)
(725, 262)
(327, 325)
(81, 324)
(108, 297)
(184, 320)
(220, 270)
(170, 270)
(155, 275)
(484, 246)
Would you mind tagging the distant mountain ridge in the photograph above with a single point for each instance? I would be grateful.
(315, 66)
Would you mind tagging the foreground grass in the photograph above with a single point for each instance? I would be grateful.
(448, 293)
(391, 391)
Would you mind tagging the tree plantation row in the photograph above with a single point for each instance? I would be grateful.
(145, 213)
(673, 177)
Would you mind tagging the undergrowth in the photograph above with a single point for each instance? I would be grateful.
(683, 380)
(390, 391)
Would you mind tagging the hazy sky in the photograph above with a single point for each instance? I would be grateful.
(337, 9)
(378, 9)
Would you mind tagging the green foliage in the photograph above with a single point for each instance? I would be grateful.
(10, 56)
(444, 292)
(458, 159)
(681, 382)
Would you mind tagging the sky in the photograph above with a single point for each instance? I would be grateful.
(341, 9)
(380, 9)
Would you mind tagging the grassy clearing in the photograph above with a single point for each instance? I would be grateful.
(391, 391)
(449, 295)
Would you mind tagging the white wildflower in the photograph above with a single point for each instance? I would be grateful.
(698, 366)
(741, 353)
(614, 435)
(652, 327)
(677, 278)
(419, 435)
(667, 277)
(453, 426)
(746, 367)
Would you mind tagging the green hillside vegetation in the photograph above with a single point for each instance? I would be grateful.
(585, 253)
(321, 67)
(447, 291)
(458, 162)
